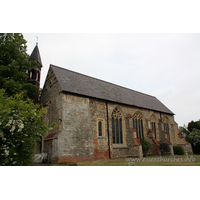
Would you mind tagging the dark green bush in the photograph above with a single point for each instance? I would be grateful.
(178, 150)
(145, 145)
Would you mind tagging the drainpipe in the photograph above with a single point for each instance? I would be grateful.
(108, 130)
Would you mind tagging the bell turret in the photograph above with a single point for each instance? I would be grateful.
(35, 73)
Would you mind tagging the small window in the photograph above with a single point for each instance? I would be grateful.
(30, 75)
(100, 128)
(33, 74)
(37, 76)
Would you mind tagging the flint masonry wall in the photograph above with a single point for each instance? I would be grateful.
(128, 148)
(79, 140)
(75, 141)
(98, 113)
(51, 99)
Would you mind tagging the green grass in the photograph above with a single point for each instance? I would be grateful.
(64, 164)
(168, 160)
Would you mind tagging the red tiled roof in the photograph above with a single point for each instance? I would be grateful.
(168, 140)
(50, 136)
(155, 141)
(129, 115)
(150, 131)
(133, 129)
(138, 141)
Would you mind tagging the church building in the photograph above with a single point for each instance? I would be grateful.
(97, 119)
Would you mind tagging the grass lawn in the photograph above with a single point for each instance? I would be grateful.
(168, 160)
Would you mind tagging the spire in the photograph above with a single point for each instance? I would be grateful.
(35, 55)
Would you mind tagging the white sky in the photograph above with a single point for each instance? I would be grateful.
(162, 65)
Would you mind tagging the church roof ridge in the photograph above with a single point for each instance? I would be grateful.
(102, 80)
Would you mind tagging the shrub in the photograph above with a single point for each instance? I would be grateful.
(145, 145)
(21, 127)
(178, 150)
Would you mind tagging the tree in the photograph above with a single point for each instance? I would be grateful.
(194, 138)
(193, 125)
(14, 65)
(192, 132)
(21, 126)
(184, 129)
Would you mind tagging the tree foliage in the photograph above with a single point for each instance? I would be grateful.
(21, 126)
(194, 138)
(14, 64)
(193, 125)
(192, 132)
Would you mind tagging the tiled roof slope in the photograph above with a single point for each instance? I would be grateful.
(84, 85)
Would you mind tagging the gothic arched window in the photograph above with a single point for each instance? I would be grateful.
(166, 126)
(138, 125)
(153, 124)
(117, 133)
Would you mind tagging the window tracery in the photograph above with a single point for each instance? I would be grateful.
(117, 133)
(166, 126)
(138, 125)
(153, 124)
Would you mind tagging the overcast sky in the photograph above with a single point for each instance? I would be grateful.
(162, 65)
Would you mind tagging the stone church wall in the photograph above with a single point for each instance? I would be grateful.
(75, 141)
(51, 99)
